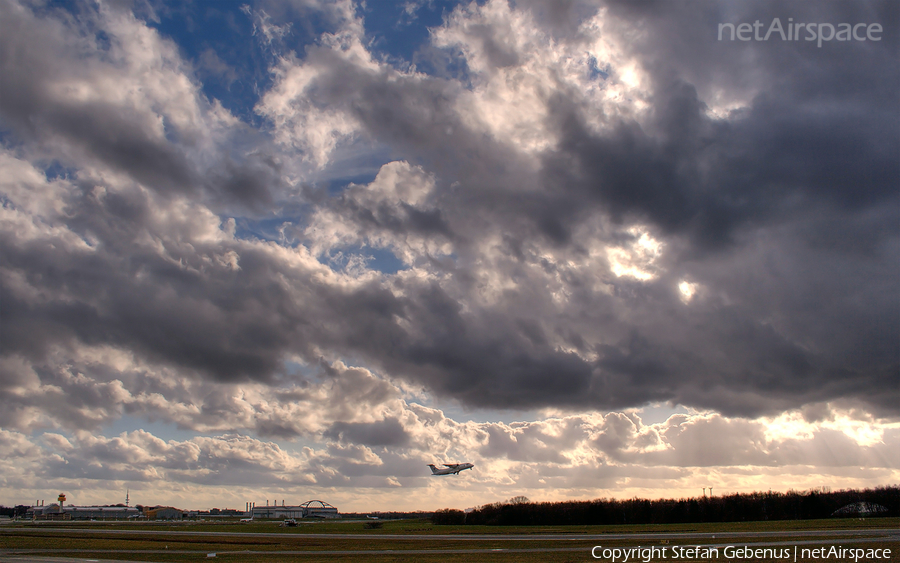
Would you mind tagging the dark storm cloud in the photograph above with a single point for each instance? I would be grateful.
(483, 360)
(372, 218)
(387, 432)
(248, 182)
(818, 144)
(707, 180)
(190, 333)
(181, 308)
(822, 126)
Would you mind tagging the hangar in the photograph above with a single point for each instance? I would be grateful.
(163, 513)
(309, 509)
(319, 509)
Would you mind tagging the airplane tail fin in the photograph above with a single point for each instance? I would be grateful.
(433, 468)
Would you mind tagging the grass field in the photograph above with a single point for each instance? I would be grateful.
(424, 526)
(418, 540)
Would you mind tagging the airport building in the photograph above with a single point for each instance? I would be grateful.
(57, 512)
(309, 509)
(162, 513)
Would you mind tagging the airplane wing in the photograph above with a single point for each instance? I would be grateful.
(453, 465)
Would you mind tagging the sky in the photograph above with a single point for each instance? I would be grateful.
(299, 249)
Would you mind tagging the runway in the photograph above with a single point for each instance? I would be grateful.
(890, 533)
(22, 555)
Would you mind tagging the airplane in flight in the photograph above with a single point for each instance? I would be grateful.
(451, 468)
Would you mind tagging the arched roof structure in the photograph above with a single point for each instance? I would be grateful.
(317, 504)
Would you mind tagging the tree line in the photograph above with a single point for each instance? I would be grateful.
(738, 507)
(13, 511)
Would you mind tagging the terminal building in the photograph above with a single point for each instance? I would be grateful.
(57, 512)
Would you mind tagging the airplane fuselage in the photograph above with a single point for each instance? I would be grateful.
(450, 468)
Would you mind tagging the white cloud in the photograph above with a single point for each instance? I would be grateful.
(297, 105)
(396, 211)
(583, 456)
(636, 259)
(263, 27)
(687, 290)
(517, 67)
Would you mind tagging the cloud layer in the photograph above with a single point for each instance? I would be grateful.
(364, 465)
(576, 207)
